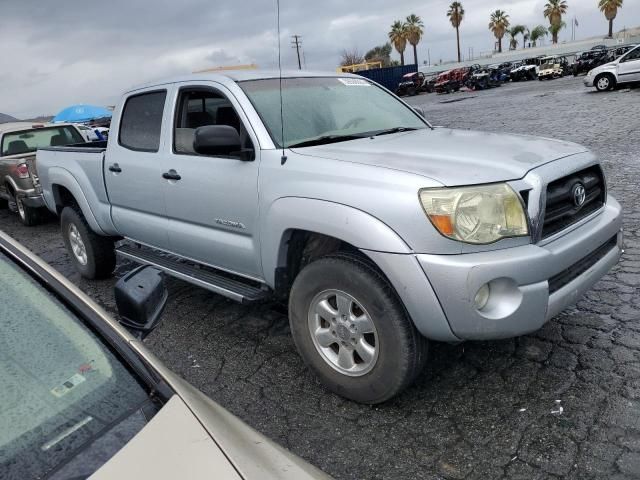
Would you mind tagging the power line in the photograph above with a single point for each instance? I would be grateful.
(296, 43)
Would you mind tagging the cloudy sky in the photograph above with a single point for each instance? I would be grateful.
(56, 53)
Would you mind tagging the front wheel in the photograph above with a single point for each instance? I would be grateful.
(604, 83)
(352, 331)
(93, 255)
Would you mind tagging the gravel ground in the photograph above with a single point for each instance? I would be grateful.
(479, 410)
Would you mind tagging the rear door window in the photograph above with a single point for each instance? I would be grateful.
(141, 121)
(27, 141)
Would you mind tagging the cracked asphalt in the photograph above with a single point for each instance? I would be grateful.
(482, 410)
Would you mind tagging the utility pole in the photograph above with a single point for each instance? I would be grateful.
(296, 43)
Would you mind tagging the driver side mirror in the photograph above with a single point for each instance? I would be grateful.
(219, 140)
(140, 299)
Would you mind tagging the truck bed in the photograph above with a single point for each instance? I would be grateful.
(79, 170)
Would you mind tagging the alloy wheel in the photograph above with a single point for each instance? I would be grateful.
(77, 245)
(343, 333)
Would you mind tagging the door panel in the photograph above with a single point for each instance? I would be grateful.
(212, 210)
(133, 170)
(629, 67)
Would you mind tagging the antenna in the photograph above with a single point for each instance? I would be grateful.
(283, 159)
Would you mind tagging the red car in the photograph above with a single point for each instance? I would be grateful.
(452, 80)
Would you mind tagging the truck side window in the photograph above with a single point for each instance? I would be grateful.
(141, 121)
(199, 108)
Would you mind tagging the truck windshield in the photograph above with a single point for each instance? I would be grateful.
(63, 390)
(27, 141)
(327, 107)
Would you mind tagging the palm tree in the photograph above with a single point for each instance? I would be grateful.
(415, 29)
(498, 25)
(398, 36)
(610, 10)
(553, 10)
(513, 41)
(515, 31)
(456, 14)
(526, 35)
(537, 33)
(555, 29)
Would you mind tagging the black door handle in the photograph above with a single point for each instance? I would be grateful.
(171, 175)
(115, 168)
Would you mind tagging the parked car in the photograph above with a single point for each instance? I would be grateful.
(83, 397)
(485, 77)
(617, 52)
(379, 230)
(552, 68)
(624, 70)
(526, 70)
(413, 83)
(589, 60)
(19, 184)
(452, 80)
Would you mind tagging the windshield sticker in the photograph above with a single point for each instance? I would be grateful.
(354, 82)
(68, 385)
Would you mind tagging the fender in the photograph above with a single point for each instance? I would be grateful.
(345, 223)
(367, 233)
(61, 177)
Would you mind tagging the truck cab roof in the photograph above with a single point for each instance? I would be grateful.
(226, 76)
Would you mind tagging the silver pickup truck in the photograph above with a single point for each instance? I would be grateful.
(380, 230)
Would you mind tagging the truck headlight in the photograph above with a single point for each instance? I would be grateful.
(476, 214)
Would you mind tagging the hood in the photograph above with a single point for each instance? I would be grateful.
(451, 157)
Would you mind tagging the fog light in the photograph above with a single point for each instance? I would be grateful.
(482, 297)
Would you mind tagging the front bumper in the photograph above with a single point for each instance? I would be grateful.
(588, 81)
(520, 300)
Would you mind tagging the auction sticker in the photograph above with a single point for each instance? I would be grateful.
(354, 82)
(68, 385)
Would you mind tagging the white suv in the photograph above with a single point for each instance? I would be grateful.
(625, 69)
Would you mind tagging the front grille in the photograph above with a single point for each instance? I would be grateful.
(561, 209)
(574, 271)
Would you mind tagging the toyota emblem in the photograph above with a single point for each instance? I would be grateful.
(579, 194)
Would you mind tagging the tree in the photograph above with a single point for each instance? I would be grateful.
(398, 37)
(555, 29)
(514, 32)
(513, 41)
(456, 15)
(498, 25)
(537, 33)
(351, 57)
(381, 53)
(553, 10)
(526, 35)
(610, 10)
(415, 30)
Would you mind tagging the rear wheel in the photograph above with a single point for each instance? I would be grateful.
(352, 331)
(29, 216)
(93, 255)
(605, 82)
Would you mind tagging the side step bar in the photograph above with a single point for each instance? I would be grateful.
(203, 277)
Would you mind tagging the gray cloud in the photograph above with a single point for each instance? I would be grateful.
(58, 53)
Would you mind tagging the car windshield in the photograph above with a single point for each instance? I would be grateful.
(27, 141)
(331, 107)
(67, 403)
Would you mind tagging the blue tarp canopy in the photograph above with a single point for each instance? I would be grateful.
(81, 113)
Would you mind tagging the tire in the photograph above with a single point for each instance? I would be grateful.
(99, 252)
(604, 82)
(400, 350)
(29, 216)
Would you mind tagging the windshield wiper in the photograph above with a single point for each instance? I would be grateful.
(326, 139)
(389, 131)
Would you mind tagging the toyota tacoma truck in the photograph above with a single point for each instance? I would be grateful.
(381, 231)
